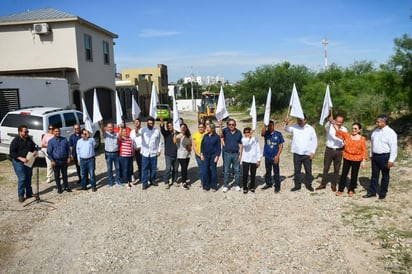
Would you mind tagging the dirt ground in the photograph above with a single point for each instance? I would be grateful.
(120, 230)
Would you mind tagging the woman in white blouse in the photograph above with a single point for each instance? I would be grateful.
(250, 159)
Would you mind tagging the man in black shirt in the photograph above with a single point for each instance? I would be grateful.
(170, 153)
(19, 148)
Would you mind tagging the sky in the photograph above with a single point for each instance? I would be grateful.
(227, 38)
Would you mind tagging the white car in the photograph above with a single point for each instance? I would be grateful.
(38, 119)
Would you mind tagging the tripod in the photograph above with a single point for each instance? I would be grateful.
(37, 199)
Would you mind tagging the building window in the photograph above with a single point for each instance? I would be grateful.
(106, 56)
(88, 47)
(127, 76)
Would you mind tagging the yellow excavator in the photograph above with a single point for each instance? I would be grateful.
(207, 109)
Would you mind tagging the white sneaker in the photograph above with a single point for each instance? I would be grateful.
(48, 180)
(237, 188)
(225, 189)
(133, 178)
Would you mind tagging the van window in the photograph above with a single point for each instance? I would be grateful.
(15, 120)
(56, 121)
(80, 117)
(70, 119)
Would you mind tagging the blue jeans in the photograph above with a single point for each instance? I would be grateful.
(200, 168)
(60, 167)
(87, 167)
(149, 166)
(269, 165)
(173, 164)
(112, 158)
(228, 160)
(126, 164)
(209, 173)
(24, 175)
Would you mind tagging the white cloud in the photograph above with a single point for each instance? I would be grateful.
(157, 33)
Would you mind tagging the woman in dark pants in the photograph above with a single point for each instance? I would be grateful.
(209, 153)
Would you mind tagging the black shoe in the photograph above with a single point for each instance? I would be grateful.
(266, 187)
(277, 190)
(154, 184)
(252, 190)
(369, 195)
(68, 189)
(381, 197)
(310, 188)
(60, 191)
(321, 187)
(245, 190)
(94, 189)
(295, 188)
(145, 187)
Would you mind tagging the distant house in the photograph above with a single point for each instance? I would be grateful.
(52, 43)
(138, 82)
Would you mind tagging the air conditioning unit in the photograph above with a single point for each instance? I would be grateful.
(42, 28)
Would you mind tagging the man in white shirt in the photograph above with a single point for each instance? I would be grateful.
(333, 152)
(304, 144)
(150, 151)
(383, 153)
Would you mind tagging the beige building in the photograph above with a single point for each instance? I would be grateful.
(138, 82)
(52, 43)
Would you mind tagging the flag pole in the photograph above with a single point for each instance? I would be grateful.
(287, 114)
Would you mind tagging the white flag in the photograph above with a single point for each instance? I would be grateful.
(86, 118)
(119, 111)
(253, 113)
(176, 120)
(97, 116)
(221, 111)
(266, 118)
(327, 105)
(135, 109)
(295, 106)
(153, 102)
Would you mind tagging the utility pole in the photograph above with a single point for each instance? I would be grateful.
(191, 81)
(325, 43)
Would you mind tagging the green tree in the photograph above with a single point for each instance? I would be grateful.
(280, 78)
(401, 62)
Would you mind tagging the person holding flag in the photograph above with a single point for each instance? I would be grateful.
(334, 145)
(250, 159)
(333, 152)
(271, 151)
(304, 144)
(170, 152)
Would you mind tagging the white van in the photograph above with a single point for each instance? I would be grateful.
(38, 119)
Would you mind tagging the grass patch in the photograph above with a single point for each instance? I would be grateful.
(377, 222)
(399, 259)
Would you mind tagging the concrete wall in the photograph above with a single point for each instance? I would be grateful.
(35, 91)
(186, 104)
